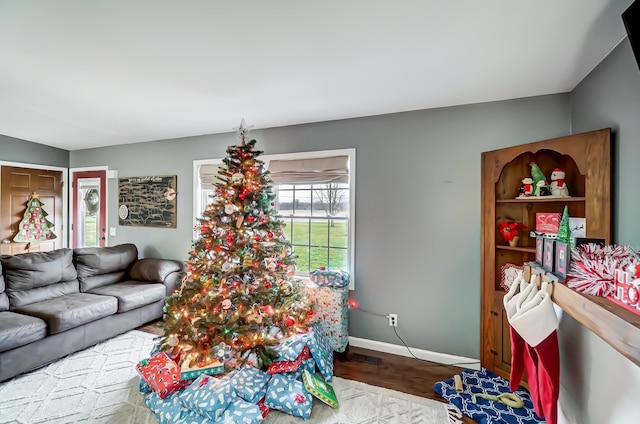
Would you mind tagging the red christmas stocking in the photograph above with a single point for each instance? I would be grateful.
(546, 356)
(537, 323)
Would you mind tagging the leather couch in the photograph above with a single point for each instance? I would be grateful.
(59, 302)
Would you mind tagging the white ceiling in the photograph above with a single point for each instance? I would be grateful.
(81, 74)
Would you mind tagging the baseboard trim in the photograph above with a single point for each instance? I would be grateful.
(427, 355)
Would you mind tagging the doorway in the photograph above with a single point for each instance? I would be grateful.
(89, 205)
(17, 186)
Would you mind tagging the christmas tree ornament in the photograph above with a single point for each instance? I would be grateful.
(237, 178)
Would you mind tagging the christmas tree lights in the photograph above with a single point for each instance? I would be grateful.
(237, 297)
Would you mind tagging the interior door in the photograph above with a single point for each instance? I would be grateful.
(17, 184)
(89, 208)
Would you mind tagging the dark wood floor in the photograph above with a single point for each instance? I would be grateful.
(394, 372)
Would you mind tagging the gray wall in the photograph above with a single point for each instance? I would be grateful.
(16, 150)
(599, 385)
(417, 205)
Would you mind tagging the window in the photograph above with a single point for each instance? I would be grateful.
(315, 199)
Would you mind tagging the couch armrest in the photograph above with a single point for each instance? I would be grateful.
(164, 271)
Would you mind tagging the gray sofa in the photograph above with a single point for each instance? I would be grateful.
(59, 302)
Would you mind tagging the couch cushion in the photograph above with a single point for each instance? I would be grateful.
(18, 330)
(38, 276)
(101, 266)
(4, 300)
(132, 294)
(72, 310)
(151, 269)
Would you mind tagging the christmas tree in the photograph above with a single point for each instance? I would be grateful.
(237, 297)
(564, 230)
(536, 175)
(34, 226)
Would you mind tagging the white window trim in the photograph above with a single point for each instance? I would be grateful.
(292, 156)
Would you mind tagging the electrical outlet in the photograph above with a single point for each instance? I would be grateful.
(393, 320)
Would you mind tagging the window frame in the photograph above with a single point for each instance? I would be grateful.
(350, 152)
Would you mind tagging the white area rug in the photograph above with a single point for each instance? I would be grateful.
(100, 385)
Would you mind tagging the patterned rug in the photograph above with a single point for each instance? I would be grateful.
(100, 385)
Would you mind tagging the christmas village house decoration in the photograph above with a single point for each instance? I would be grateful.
(34, 226)
(239, 331)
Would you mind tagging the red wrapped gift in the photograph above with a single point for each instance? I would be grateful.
(264, 409)
(161, 374)
(289, 366)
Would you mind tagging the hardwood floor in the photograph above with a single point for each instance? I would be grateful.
(381, 369)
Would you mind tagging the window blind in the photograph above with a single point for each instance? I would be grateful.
(208, 176)
(334, 169)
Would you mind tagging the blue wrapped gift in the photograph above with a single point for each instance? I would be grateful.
(208, 396)
(288, 395)
(290, 348)
(171, 411)
(241, 412)
(329, 278)
(322, 353)
(250, 383)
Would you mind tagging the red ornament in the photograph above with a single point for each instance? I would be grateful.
(267, 285)
(250, 218)
(242, 196)
(289, 321)
(270, 234)
(257, 237)
(268, 309)
(230, 239)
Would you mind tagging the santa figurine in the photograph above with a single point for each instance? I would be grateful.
(526, 189)
(558, 187)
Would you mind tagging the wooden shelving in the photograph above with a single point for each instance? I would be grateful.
(586, 158)
(542, 200)
(614, 324)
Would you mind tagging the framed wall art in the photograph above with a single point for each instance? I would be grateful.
(548, 254)
(562, 258)
(148, 201)
(539, 249)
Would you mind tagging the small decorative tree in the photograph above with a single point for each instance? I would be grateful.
(564, 230)
(35, 226)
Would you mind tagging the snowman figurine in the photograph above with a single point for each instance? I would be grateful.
(558, 187)
(526, 189)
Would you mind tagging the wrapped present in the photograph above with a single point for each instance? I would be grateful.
(170, 410)
(161, 374)
(322, 353)
(279, 367)
(320, 389)
(143, 386)
(242, 412)
(308, 364)
(290, 348)
(331, 309)
(209, 396)
(264, 409)
(250, 383)
(189, 369)
(329, 278)
(288, 395)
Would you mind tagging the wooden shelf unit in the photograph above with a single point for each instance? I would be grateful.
(586, 158)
